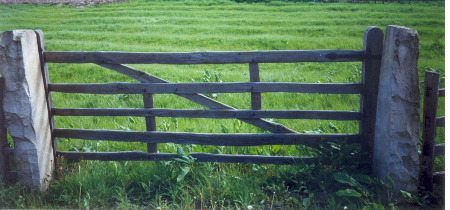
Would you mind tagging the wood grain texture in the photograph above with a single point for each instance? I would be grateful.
(288, 56)
(206, 113)
(311, 140)
(370, 76)
(202, 157)
(439, 149)
(4, 157)
(183, 88)
(150, 122)
(254, 77)
(429, 130)
(196, 98)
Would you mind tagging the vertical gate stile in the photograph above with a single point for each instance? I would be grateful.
(150, 122)
(370, 76)
(45, 75)
(430, 102)
(254, 77)
(4, 161)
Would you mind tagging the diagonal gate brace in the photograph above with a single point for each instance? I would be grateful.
(196, 98)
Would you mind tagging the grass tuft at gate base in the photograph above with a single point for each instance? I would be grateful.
(185, 26)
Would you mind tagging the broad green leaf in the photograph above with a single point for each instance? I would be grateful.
(183, 173)
(406, 195)
(344, 178)
(363, 178)
(181, 153)
(348, 193)
(306, 202)
(294, 200)
(334, 128)
(275, 148)
(292, 149)
(181, 160)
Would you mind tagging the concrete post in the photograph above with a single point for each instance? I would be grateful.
(396, 140)
(25, 107)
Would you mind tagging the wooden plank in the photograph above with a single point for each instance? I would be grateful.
(288, 56)
(201, 157)
(370, 76)
(439, 149)
(4, 157)
(150, 122)
(311, 140)
(429, 130)
(440, 122)
(254, 77)
(196, 98)
(46, 80)
(234, 87)
(442, 92)
(207, 113)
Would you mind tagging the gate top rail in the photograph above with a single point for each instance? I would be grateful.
(284, 56)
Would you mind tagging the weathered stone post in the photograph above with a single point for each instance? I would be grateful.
(398, 111)
(25, 107)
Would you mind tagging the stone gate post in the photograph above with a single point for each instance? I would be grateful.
(25, 107)
(396, 140)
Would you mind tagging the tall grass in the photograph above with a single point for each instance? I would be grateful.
(184, 26)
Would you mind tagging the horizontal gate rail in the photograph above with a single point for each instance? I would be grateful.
(311, 140)
(235, 87)
(196, 98)
(202, 157)
(287, 56)
(207, 113)
(192, 91)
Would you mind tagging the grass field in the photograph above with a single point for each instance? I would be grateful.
(185, 26)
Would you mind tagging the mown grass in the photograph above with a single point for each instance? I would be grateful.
(184, 26)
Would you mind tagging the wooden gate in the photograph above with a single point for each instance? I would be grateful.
(370, 57)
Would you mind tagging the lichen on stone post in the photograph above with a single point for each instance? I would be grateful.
(398, 111)
(25, 107)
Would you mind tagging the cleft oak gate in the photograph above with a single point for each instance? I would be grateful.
(35, 58)
(370, 57)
